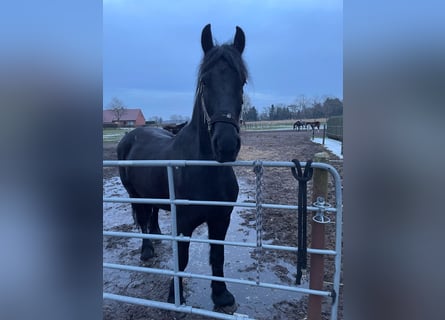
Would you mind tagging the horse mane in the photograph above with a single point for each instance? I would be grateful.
(227, 52)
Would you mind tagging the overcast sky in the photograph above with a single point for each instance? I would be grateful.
(151, 50)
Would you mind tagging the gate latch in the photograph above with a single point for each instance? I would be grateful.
(321, 204)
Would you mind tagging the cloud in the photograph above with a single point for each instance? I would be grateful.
(152, 49)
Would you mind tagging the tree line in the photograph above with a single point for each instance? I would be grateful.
(303, 109)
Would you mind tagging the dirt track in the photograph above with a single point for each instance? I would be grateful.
(279, 187)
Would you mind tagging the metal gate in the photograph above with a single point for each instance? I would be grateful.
(175, 273)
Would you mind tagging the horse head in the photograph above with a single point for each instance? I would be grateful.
(220, 92)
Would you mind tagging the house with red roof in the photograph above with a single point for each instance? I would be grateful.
(129, 118)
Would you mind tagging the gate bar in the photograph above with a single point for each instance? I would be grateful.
(212, 241)
(172, 307)
(207, 277)
(185, 202)
(171, 192)
(208, 163)
(338, 242)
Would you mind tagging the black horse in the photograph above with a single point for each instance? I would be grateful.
(212, 134)
(299, 124)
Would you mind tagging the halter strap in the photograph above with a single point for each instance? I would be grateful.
(218, 117)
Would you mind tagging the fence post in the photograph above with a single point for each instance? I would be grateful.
(320, 188)
(324, 132)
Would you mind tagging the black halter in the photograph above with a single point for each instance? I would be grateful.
(217, 117)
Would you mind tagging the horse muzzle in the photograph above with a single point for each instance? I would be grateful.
(226, 142)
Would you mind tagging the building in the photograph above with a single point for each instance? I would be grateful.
(129, 118)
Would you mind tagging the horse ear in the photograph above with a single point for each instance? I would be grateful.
(206, 39)
(240, 40)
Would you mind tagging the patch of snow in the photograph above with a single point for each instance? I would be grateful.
(332, 145)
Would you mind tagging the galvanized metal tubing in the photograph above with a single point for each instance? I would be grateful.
(173, 202)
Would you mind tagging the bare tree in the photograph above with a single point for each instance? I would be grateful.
(302, 102)
(246, 106)
(118, 108)
(316, 99)
(156, 119)
(176, 117)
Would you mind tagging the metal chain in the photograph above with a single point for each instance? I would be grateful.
(258, 169)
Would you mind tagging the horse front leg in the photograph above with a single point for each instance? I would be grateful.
(221, 297)
(154, 223)
(183, 258)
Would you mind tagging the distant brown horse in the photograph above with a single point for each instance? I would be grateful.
(314, 124)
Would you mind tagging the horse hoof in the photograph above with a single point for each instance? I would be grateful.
(147, 254)
(224, 299)
(226, 309)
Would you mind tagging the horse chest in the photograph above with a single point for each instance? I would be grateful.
(207, 185)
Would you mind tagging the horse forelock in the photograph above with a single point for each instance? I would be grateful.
(228, 53)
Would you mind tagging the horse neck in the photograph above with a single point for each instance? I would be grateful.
(200, 128)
